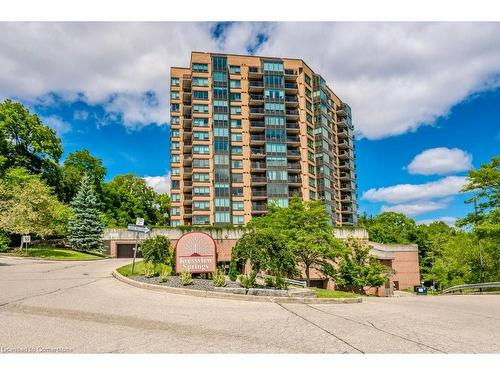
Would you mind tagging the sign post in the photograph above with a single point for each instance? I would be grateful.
(25, 240)
(137, 228)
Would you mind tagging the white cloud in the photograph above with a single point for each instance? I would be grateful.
(81, 115)
(440, 160)
(160, 184)
(415, 208)
(395, 76)
(56, 123)
(401, 193)
(449, 220)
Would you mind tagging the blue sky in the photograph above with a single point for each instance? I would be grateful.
(424, 100)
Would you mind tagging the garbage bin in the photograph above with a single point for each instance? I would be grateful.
(419, 290)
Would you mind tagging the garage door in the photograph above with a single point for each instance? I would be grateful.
(126, 250)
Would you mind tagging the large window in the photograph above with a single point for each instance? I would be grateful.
(200, 108)
(201, 190)
(221, 132)
(273, 120)
(236, 150)
(274, 94)
(201, 219)
(202, 68)
(201, 163)
(236, 137)
(238, 206)
(201, 122)
(234, 69)
(175, 145)
(222, 217)
(174, 95)
(174, 133)
(174, 120)
(176, 172)
(235, 97)
(274, 107)
(200, 95)
(277, 175)
(238, 219)
(221, 202)
(175, 107)
(175, 197)
(201, 150)
(276, 147)
(273, 66)
(237, 164)
(201, 177)
(175, 158)
(237, 177)
(235, 110)
(236, 123)
(199, 81)
(174, 81)
(200, 136)
(201, 205)
(235, 83)
(176, 211)
(273, 81)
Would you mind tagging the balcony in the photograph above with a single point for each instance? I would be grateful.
(293, 154)
(257, 139)
(291, 101)
(258, 165)
(188, 171)
(291, 88)
(292, 127)
(294, 180)
(257, 153)
(259, 194)
(259, 208)
(292, 114)
(345, 198)
(254, 72)
(343, 133)
(293, 140)
(259, 180)
(293, 192)
(290, 73)
(257, 126)
(256, 112)
(256, 86)
(187, 161)
(294, 167)
(345, 144)
(346, 187)
(346, 165)
(256, 99)
(345, 176)
(343, 155)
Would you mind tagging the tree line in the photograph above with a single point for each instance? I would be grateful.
(37, 190)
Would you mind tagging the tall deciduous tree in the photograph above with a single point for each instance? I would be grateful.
(75, 166)
(28, 206)
(25, 142)
(85, 227)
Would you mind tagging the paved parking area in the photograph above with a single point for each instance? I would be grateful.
(79, 307)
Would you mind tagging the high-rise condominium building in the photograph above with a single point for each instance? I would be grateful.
(247, 131)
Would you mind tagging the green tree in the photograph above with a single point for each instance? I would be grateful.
(390, 227)
(85, 228)
(28, 206)
(157, 250)
(75, 166)
(358, 270)
(233, 271)
(25, 142)
(128, 196)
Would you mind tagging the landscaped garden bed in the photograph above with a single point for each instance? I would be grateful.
(51, 253)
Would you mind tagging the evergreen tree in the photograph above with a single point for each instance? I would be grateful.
(85, 227)
(233, 271)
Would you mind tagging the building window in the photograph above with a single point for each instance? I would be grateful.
(175, 211)
(175, 223)
(175, 145)
(174, 120)
(307, 79)
(310, 168)
(201, 150)
(176, 172)
(308, 93)
(175, 197)
(235, 97)
(221, 132)
(201, 163)
(312, 182)
(201, 190)
(221, 145)
(201, 205)
(238, 219)
(174, 81)
(174, 95)
(309, 118)
(176, 184)
(235, 83)
(200, 122)
(201, 177)
(200, 108)
(176, 158)
(237, 164)
(175, 107)
(199, 81)
(222, 217)
(200, 95)
(201, 68)
(174, 133)
(274, 107)
(238, 206)
(236, 150)
(201, 219)
(274, 120)
(200, 136)
(276, 147)
(273, 66)
(273, 81)
(234, 69)
(237, 177)
(310, 155)
(236, 123)
(220, 117)
(235, 110)
(274, 94)
(221, 203)
(237, 192)
(236, 137)
(308, 105)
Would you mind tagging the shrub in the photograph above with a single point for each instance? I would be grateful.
(186, 278)
(233, 271)
(164, 272)
(156, 250)
(149, 269)
(4, 242)
(247, 281)
(280, 283)
(269, 282)
(218, 278)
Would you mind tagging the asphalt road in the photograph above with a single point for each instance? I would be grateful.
(79, 307)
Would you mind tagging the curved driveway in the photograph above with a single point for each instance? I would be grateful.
(79, 307)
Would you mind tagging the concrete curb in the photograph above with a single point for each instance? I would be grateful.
(234, 297)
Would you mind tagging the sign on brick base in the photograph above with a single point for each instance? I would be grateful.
(195, 251)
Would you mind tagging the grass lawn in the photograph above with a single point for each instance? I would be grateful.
(55, 254)
(328, 293)
(139, 269)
